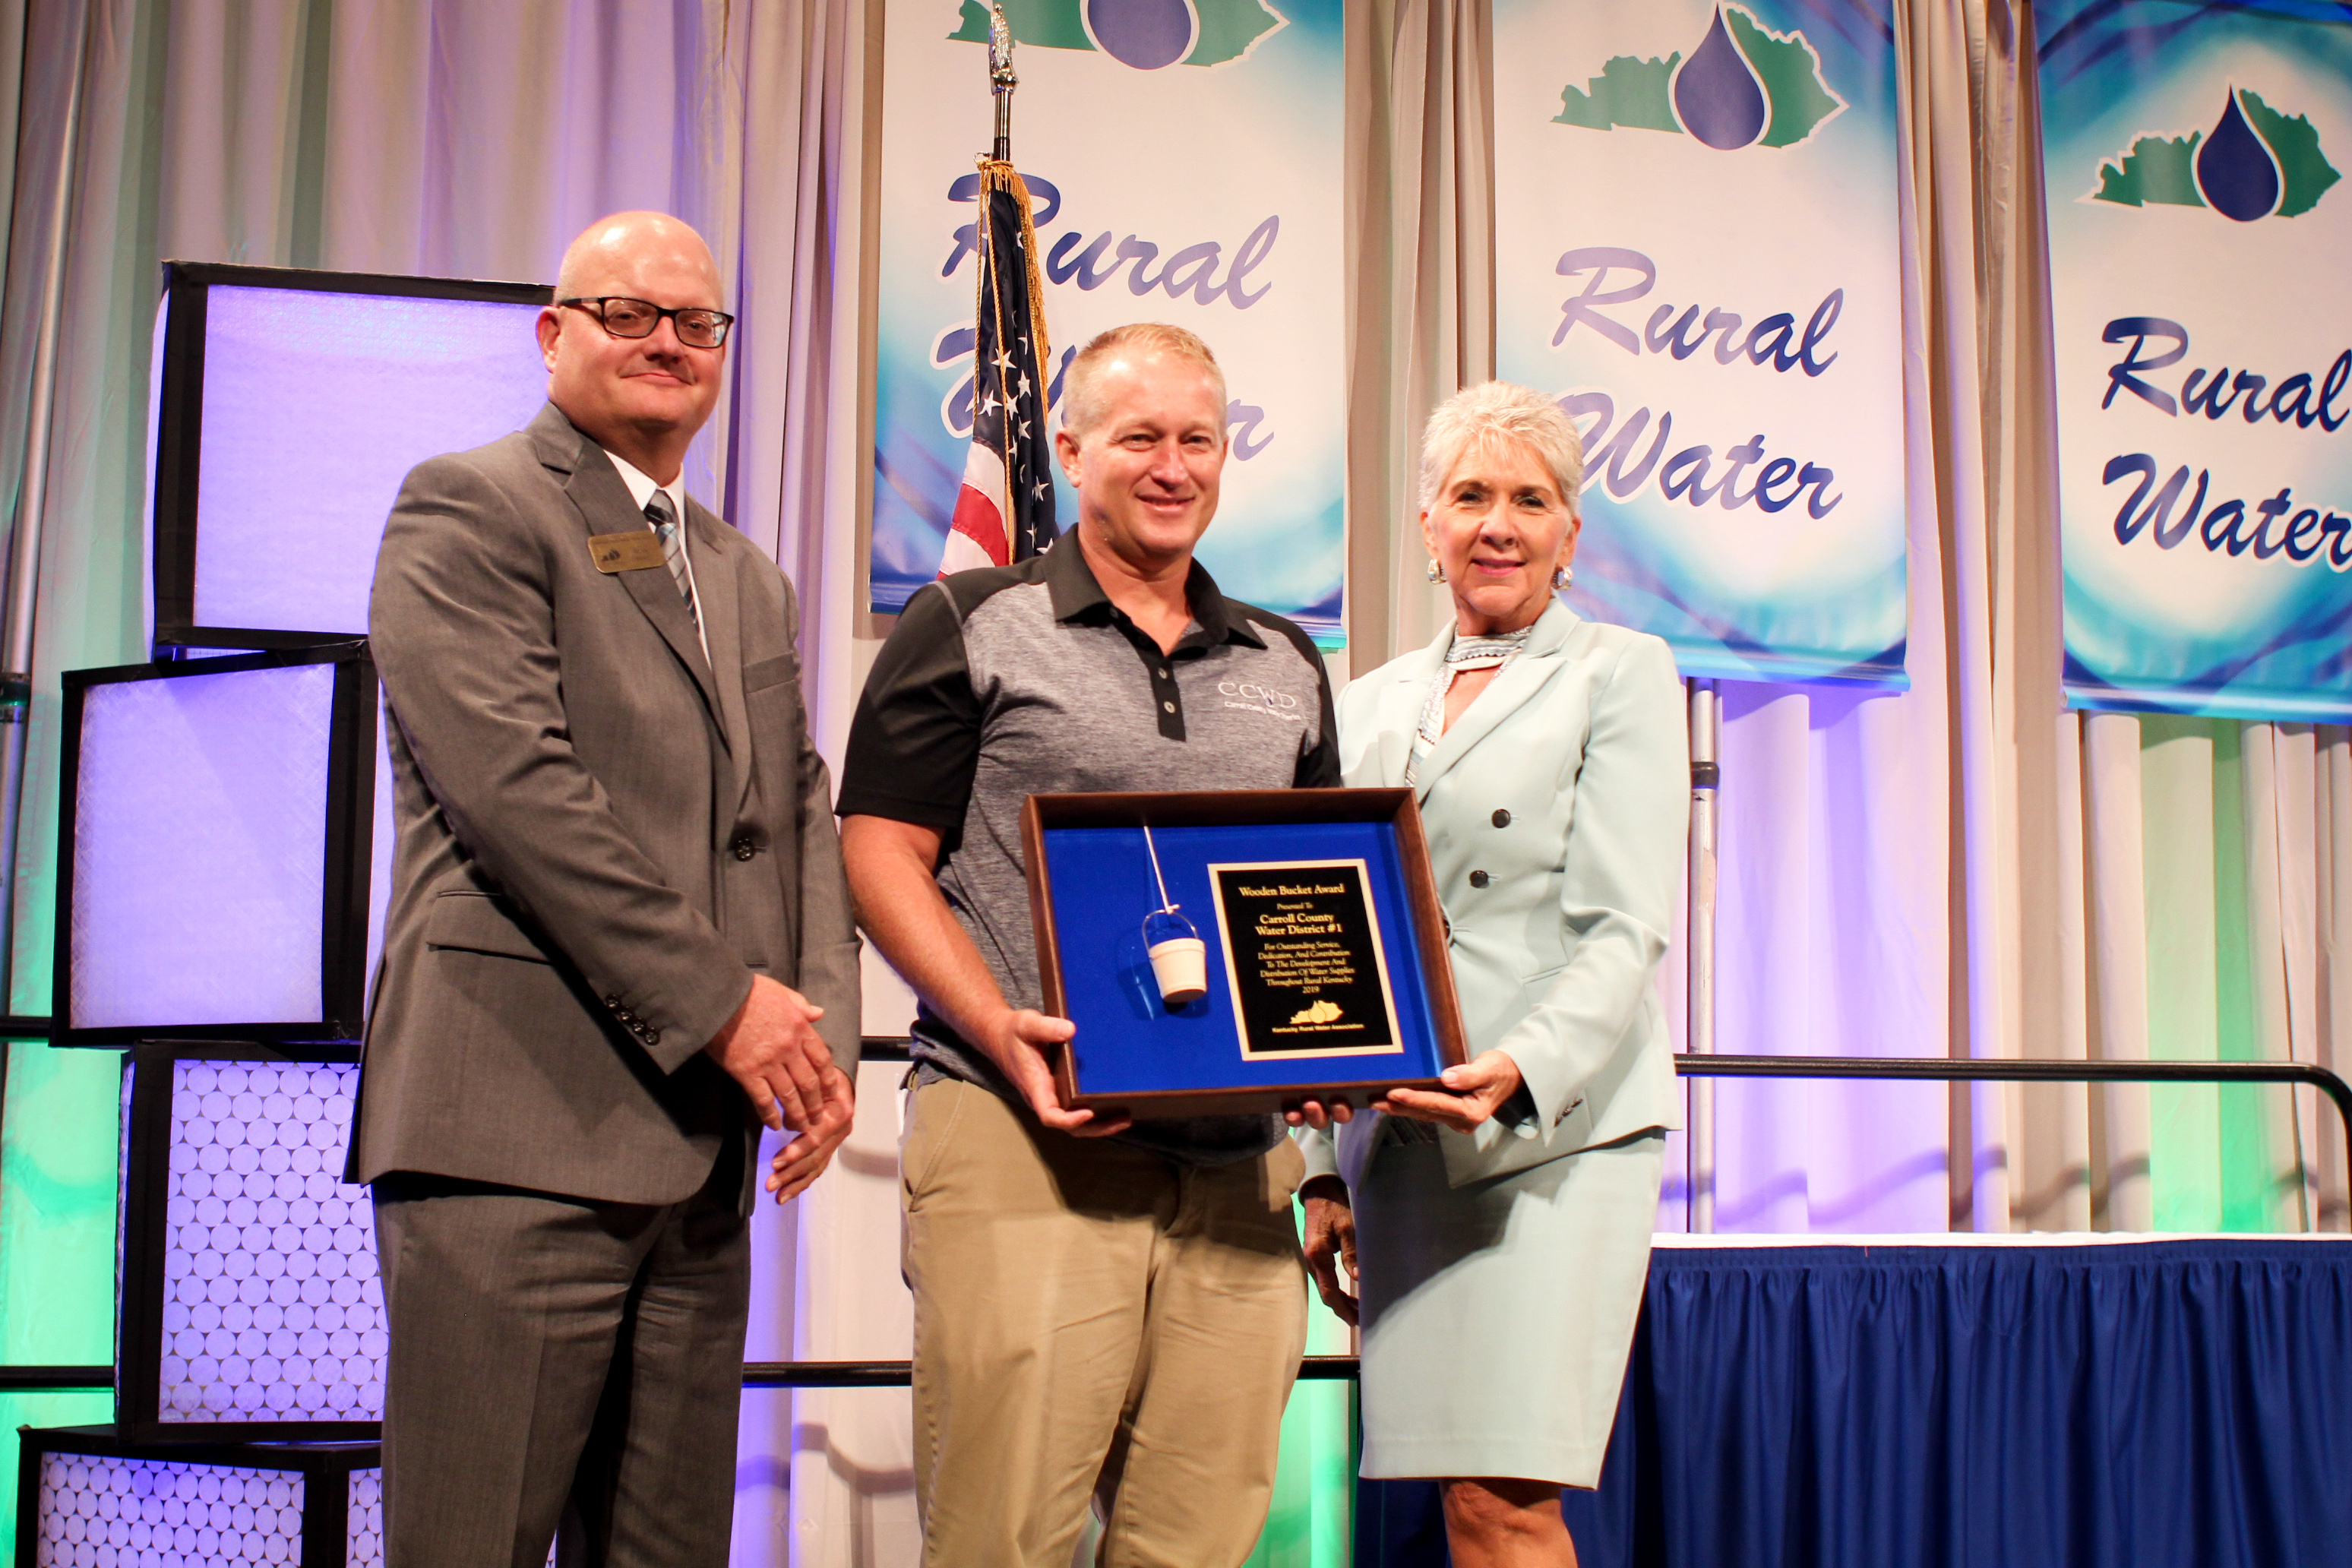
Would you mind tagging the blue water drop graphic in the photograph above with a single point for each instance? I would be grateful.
(2235, 169)
(1145, 34)
(1717, 93)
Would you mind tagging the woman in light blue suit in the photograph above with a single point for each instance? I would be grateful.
(1498, 1232)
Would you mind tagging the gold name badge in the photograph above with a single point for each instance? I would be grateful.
(631, 552)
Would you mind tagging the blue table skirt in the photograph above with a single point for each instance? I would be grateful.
(2145, 1403)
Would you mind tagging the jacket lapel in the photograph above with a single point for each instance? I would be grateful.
(1401, 703)
(1519, 679)
(604, 501)
(716, 590)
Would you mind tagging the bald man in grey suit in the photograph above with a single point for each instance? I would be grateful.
(619, 941)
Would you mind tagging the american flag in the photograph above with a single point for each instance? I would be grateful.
(1005, 510)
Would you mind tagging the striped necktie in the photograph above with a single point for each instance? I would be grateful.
(664, 520)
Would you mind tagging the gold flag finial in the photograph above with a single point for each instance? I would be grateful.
(1002, 77)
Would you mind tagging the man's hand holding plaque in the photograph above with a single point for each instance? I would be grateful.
(1019, 1044)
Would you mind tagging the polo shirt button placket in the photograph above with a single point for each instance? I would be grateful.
(1161, 671)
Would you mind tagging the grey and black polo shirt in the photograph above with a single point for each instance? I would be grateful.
(1018, 681)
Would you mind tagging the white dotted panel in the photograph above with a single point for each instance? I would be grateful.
(271, 1307)
(363, 1541)
(99, 1512)
(363, 1538)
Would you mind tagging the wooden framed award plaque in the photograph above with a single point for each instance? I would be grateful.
(1223, 953)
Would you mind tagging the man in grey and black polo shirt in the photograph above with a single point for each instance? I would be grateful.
(1101, 1308)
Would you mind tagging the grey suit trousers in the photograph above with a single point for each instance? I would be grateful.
(558, 1357)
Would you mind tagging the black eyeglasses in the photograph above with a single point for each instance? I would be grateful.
(626, 318)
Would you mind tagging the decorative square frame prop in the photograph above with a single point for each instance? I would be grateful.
(250, 1307)
(1321, 946)
(289, 406)
(89, 1495)
(215, 834)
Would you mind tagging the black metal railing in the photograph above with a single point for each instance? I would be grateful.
(54, 1379)
(2026, 1070)
(1341, 1368)
(894, 1373)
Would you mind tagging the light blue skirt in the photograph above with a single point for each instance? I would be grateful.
(1497, 1315)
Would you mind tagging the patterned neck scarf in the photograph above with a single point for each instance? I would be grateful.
(1465, 653)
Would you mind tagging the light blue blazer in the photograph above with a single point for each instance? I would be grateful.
(1583, 740)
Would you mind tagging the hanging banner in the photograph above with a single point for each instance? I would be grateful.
(1185, 164)
(2199, 237)
(1695, 249)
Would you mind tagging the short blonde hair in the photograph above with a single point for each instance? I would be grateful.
(1081, 404)
(1480, 417)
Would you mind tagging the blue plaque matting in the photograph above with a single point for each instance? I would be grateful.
(1092, 883)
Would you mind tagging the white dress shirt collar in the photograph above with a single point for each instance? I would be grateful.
(641, 490)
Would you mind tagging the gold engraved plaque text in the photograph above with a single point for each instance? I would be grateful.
(1303, 949)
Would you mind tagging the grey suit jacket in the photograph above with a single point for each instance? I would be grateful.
(601, 837)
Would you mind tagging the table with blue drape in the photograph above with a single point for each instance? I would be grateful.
(2075, 1404)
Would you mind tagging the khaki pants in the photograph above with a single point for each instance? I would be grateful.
(1090, 1319)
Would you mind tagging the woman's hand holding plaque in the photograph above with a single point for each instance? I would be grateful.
(1473, 1092)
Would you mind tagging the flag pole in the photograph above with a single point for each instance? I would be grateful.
(1706, 705)
(1004, 504)
(1002, 79)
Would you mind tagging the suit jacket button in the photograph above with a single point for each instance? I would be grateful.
(745, 849)
(1502, 818)
(1479, 878)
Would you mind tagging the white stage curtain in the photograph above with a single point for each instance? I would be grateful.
(1964, 868)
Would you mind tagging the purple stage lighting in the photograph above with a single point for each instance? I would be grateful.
(217, 838)
(291, 405)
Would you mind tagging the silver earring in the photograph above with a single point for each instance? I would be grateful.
(1436, 573)
(1561, 577)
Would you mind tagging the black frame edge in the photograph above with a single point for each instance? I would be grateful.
(349, 837)
(264, 639)
(68, 804)
(31, 1448)
(326, 1516)
(313, 281)
(179, 440)
(186, 1044)
(146, 1210)
(112, 1443)
(189, 1436)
